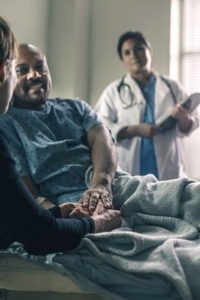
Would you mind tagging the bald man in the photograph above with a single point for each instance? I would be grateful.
(55, 141)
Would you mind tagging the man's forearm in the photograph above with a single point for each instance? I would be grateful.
(104, 162)
(104, 158)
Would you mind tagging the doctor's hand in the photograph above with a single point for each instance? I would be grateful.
(148, 130)
(94, 195)
(179, 112)
(183, 116)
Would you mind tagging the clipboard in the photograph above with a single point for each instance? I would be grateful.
(190, 103)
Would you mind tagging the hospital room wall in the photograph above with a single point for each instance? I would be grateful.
(29, 20)
(69, 47)
(110, 18)
(87, 59)
(79, 38)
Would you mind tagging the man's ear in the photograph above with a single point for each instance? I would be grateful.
(3, 70)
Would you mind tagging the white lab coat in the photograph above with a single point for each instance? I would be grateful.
(168, 145)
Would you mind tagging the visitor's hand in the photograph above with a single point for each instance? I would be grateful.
(73, 210)
(148, 130)
(107, 221)
(94, 195)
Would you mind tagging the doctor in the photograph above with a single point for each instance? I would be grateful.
(134, 107)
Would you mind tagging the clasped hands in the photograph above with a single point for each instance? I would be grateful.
(94, 201)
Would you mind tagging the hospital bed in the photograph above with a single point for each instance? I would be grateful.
(22, 280)
(154, 255)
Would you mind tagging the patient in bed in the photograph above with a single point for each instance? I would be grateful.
(21, 218)
(159, 239)
(54, 141)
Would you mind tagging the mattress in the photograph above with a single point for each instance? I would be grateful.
(21, 279)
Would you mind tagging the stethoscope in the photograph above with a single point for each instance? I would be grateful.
(123, 86)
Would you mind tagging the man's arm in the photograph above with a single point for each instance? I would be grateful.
(104, 161)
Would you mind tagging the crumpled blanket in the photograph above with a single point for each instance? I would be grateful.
(160, 232)
(156, 252)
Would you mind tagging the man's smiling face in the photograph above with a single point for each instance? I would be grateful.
(33, 77)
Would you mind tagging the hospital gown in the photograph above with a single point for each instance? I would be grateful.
(51, 147)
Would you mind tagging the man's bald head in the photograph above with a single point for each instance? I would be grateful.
(28, 49)
(33, 78)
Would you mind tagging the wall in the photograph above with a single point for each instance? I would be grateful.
(82, 40)
(79, 38)
(60, 40)
(28, 20)
(69, 47)
(110, 18)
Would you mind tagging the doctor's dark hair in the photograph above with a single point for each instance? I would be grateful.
(7, 41)
(131, 35)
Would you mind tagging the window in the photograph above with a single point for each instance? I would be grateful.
(185, 66)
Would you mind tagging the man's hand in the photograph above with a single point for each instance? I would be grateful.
(94, 195)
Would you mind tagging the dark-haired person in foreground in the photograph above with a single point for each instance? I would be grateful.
(21, 218)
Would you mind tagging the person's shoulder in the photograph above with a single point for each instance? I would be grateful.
(110, 90)
(113, 85)
(6, 118)
(65, 101)
(3, 142)
(175, 87)
(170, 81)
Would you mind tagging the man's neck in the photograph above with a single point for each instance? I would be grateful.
(25, 104)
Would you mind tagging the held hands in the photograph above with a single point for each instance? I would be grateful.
(73, 210)
(109, 220)
(94, 195)
(148, 130)
(76, 210)
(105, 220)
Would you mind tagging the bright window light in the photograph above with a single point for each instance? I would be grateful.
(185, 66)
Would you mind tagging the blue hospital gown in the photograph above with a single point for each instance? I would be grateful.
(50, 145)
